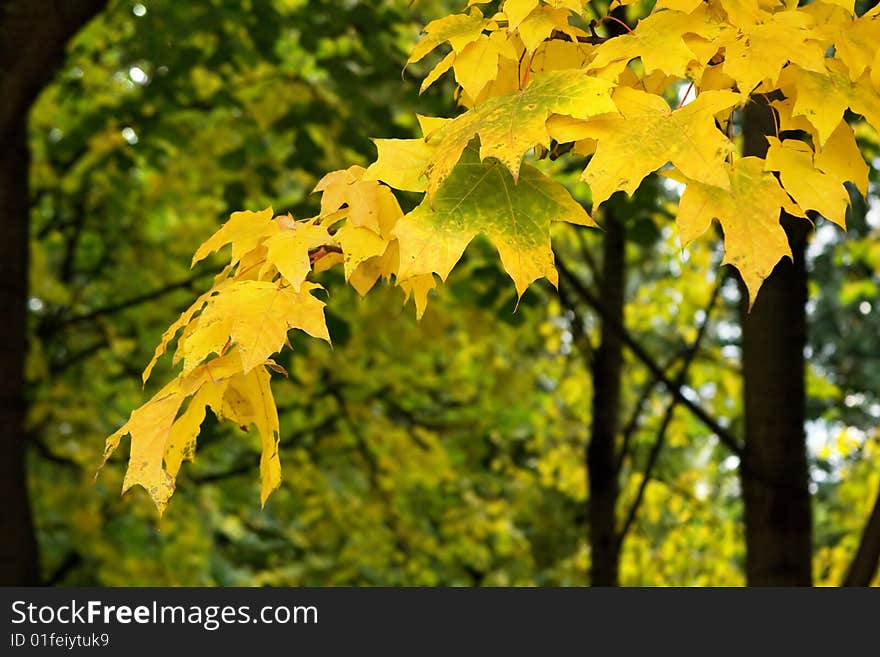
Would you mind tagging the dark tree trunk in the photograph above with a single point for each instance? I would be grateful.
(774, 471)
(33, 35)
(864, 566)
(18, 548)
(607, 369)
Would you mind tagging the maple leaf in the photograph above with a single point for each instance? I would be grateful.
(557, 55)
(365, 276)
(158, 434)
(510, 125)
(684, 6)
(288, 250)
(746, 12)
(811, 188)
(255, 316)
(840, 157)
(648, 134)
(184, 319)
(541, 23)
(358, 246)
(437, 72)
(150, 428)
(457, 30)
(180, 445)
(248, 400)
(244, 231)
(754, 240)
(417, 288)
(517, 10)
(854, 39)
(759, 51)
(478, 63)
(823, 97)
(482, 197)
(370, 204)
(658, 41)
(401, 163)
(529, 76)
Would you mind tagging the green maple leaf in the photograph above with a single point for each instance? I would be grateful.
(482, 197)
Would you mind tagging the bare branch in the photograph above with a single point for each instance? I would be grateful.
(864, 565)
(726, 438)
(52, 327)
(657, 447)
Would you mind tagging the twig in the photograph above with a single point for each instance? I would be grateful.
(657, 447)
(639, 352)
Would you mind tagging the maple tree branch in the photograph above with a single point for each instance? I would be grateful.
(610, 17)
(52, 327)
(726, 438)
(632, 424)
(594, 40)
(57, 367)
(72, 561)
(413, 419)
(866, 561)
(323, 250)
(657, 447)
(39, 444)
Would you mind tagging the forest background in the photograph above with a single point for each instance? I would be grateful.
(447, 451)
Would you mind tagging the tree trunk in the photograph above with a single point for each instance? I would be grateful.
(774, 471)
(607, 370)
(18, 549)
(33, 36)
(864, 565)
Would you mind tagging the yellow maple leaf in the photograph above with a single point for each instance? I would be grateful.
(370, 204)
(244, 231)
(822, 98)
(248, 400)
(517, 10)
(754, 240)
(181, 443)
(417, 288)
(478, 63)
(508, 126)
(811, 188)
(658, 41)
(401, 163)
(288, 249)
(365, 276)
(758, 52)
(854, 38)
(540, 24)
(150, 427)
(841, 157)
(648, 134)
(255, 316)
(457, 30)
(184, 319)
(556, 55)
(684, 6)
(358, 245)
(437, 72)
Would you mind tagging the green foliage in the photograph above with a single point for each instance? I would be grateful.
(446, 451)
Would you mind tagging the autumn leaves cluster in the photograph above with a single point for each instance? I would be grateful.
(665, 95)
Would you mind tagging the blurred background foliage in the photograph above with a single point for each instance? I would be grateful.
(448, 451)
